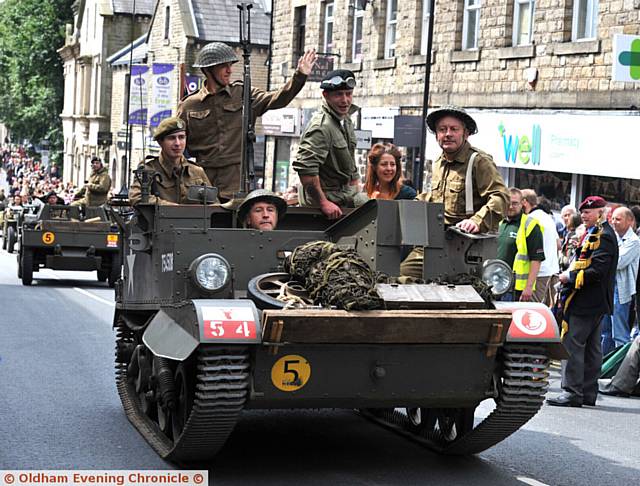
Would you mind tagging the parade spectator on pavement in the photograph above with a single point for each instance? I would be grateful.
(520, 244)
(626, 381)
(570, 241)
(587, 295)
(550, 267)
(615, 327)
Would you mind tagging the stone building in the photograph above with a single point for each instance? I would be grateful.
(177, 31)
(99, 29)
(538, 76)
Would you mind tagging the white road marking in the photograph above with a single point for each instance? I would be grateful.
(93, 296)
(531, 482)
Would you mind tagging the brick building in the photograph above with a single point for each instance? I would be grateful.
(177, 31)
(536, 75)
(99, 29)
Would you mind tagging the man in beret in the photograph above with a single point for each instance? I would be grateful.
(96, 190)
(465, 180)
(174, 172)
(261, 210)
(587, 296)
(325, 161)
(213, 115)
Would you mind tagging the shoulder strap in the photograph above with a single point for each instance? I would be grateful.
(468, 185)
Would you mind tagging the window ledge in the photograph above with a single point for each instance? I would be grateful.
(471, 55)
(352, 66)
(578, 47)
(384, 63)
(421, 59)
(517, 52)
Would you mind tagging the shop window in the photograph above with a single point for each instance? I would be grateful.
(300, 19)
(391, 29)
(523, 22)
(424, 32)
(613, 189)
(283, 160)
(327, 45)
(585, 20)
(470, 24)
(356, 40)
(554, 186)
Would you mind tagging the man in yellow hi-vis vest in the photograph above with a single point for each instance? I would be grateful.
(529, 256)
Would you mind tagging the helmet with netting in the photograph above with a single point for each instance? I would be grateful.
(261, 195)
(454, 111)
(215, 53)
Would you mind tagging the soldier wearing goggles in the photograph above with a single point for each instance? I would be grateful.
(325, 160)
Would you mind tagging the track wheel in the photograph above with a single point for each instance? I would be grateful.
(26, 267)
(164, 402)
(140, 372)
(11, 238)
(449, 424)
(185, 390)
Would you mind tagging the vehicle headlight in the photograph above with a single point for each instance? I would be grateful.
(210, 272)
(497, 275)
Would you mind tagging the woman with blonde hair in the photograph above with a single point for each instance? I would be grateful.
(384, 174)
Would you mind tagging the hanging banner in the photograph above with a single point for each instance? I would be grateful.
(161, 93)
(138, 95)
(192, 83)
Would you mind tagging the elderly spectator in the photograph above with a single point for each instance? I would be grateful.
(615, 327)
(567, 213)
(571, 240)
(587, 295)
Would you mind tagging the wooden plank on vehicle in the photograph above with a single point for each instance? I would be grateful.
(387, 326)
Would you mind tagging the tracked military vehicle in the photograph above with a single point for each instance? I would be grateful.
(61, 238)
(202, 335)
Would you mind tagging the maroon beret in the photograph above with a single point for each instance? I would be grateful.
(592, 202)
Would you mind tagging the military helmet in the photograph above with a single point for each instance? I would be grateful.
(454, 111)
(261, 195)
(168, 126)
(215, 53)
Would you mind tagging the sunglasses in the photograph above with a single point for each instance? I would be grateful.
(338, 81)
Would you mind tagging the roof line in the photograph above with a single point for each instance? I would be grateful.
(193, 19)
(132, 45)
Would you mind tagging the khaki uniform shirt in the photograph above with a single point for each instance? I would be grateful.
(96, 191)
(214, 121)
(490, 196)
(326, 150)
(173, 183)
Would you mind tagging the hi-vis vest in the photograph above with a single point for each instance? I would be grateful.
(522, 263)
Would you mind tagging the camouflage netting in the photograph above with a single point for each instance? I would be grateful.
(335, 277)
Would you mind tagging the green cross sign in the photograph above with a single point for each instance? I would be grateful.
(631, 58)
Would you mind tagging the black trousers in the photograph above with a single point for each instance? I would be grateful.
(580, 372)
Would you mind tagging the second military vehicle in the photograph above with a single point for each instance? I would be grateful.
(61, 238)
(201, 334)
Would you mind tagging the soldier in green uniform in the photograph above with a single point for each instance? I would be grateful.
(213, 115)
(95, 192)
(175, 172)
(464, 178)
(325, 161)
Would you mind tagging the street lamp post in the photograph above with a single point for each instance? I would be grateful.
(419, 174)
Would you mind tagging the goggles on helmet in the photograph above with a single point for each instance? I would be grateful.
(338, 81)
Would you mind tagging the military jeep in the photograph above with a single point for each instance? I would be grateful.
(60, 237)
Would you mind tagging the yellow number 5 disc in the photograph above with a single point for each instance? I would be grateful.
(290, 373)
(48, 238)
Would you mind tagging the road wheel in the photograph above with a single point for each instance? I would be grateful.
(185, 390)
(102, 275)
(11, 238)
(26, 267)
